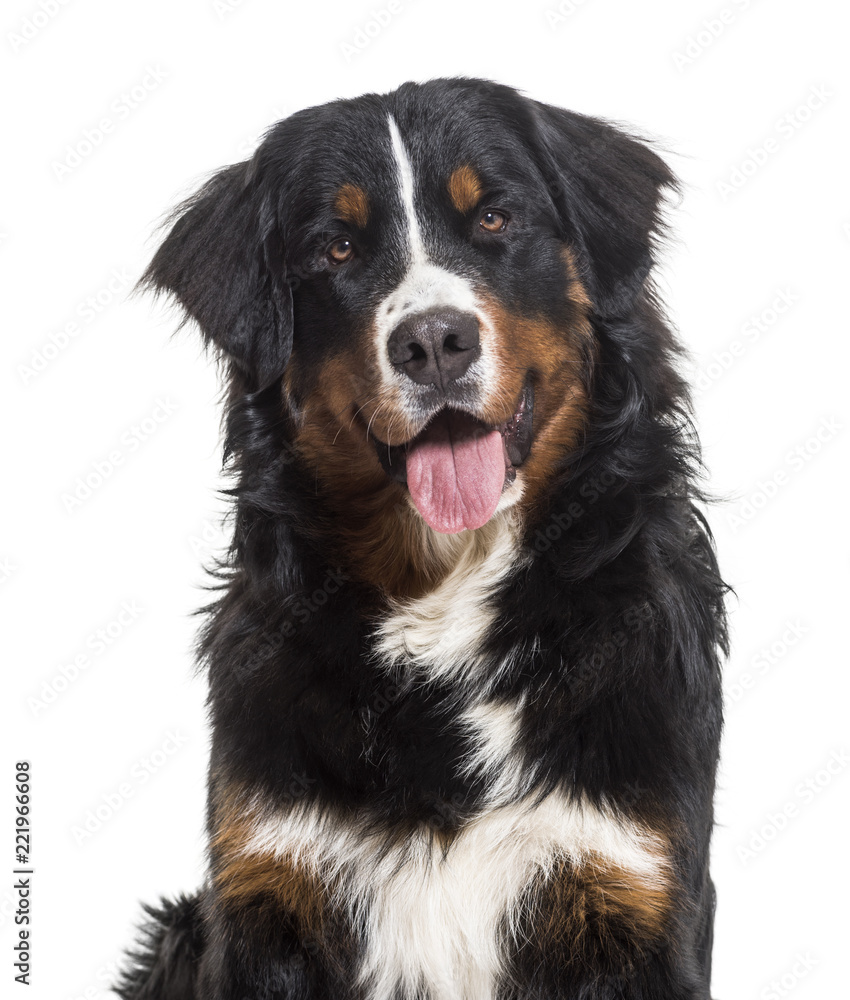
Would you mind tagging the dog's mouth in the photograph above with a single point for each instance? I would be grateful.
(457, 467)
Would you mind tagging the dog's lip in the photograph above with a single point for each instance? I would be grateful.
(516, 433)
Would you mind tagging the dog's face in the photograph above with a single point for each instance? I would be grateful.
(439, 313)
(420, 272)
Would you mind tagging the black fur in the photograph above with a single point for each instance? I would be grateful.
(163, 968)
(622, 594)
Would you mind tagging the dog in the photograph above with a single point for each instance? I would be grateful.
(464, 669)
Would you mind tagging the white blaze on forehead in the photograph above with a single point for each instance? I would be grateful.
(425, 284)
(405, 180)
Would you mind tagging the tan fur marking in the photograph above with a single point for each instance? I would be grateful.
(576, 292)
(252, 879)
(377, 536)
(465, 188)
(352, 205)
(596, 907)
(561, 361)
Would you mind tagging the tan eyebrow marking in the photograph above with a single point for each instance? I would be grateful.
(465, 188)
(352, 205)
(577, 292)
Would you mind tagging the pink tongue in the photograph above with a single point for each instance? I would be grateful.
(455, 473)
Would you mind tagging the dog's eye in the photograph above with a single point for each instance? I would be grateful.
(493, 222)
(340, 251)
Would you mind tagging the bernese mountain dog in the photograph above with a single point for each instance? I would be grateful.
(464, 667)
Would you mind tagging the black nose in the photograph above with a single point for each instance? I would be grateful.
(435, 347)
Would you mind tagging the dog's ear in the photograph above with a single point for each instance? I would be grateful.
(607, 187)
(223, 262)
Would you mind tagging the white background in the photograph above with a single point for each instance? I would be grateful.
(212, 78)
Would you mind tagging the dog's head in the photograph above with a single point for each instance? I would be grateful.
(420, 274)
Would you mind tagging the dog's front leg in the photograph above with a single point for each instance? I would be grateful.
(254, 952)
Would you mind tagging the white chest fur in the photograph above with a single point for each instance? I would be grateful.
(437, 920)
(441, 634)
(438, 924)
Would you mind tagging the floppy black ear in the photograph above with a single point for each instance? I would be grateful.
(222, 261)
(607, 186)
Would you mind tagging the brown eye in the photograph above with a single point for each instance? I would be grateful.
(340, 251)
(493, 222)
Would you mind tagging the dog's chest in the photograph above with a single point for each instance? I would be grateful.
(440, 919)
(443, 641)
(436, 920)
(441, 636)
